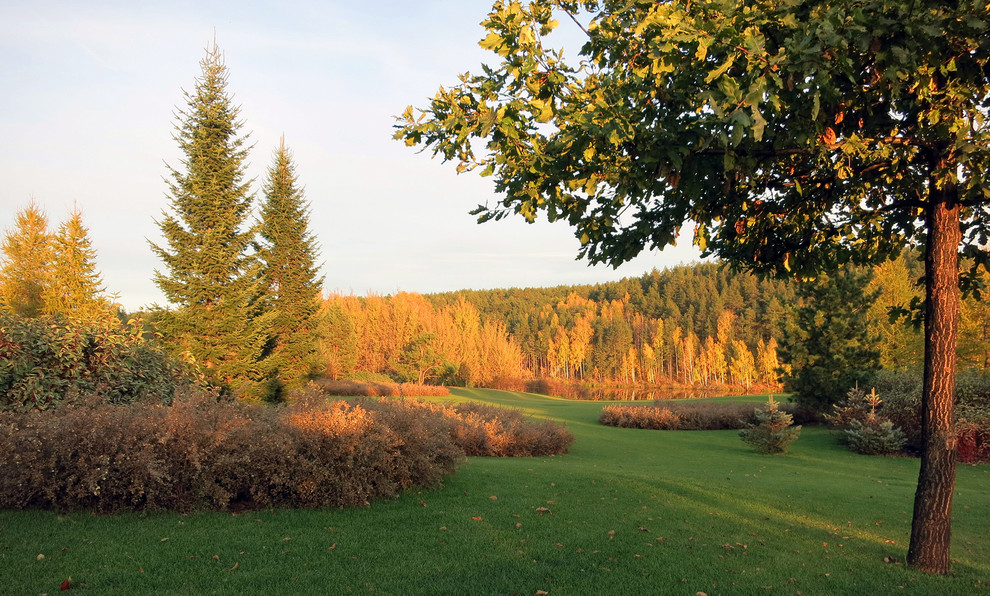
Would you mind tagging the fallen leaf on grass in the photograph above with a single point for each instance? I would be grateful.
(65, 585)
(542, 510)
(164, 539)
(41, 557)
(493, 498)
(332, 546)
(236, 563)
(477, 518)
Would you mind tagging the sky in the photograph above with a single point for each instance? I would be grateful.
(88, 97)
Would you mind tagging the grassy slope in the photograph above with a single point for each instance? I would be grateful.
(630, 511)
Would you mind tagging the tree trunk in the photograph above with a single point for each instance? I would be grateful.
(931, 526)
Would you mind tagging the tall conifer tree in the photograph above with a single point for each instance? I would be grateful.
(26, 257)
(75, 287)
(834, 349)
(211, 275)
(291, 275)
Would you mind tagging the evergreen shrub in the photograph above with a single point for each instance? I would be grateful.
(773, 432)
(862, 428)
(874, 438)
(47, 360)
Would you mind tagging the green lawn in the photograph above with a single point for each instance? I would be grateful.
(626, 512)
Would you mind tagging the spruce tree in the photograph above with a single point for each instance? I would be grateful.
(75, 287)
(337, 341)
(211, 275)
(26, 258)
(833, 349)
(290, 276)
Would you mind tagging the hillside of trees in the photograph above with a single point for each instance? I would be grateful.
(699, 325)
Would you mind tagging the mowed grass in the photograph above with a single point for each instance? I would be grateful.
(626, 511)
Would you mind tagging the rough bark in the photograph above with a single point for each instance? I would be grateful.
(931, 526)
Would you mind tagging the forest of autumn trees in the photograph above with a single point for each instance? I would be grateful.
(700, 325)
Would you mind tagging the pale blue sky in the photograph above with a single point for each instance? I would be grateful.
(87, 96)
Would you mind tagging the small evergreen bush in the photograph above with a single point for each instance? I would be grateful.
(874, 438)
(862, 428)
(773, 432)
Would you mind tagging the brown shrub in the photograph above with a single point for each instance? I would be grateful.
(414, 390)
(509, 384)
(479, 429)
(352, 388)
(683, 415)
(556, 388)
(488, 430)
(654, 418)
(205, 453)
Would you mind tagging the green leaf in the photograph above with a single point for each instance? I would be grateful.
(491, 41)
(721, 70)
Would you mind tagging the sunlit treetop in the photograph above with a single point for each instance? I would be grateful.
(794, 135)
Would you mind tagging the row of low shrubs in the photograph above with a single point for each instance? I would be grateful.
(205, 452)
(768, 430)
(477, 429)
(378, 388)
(553, 387)
(887, 420)
(684, 415)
